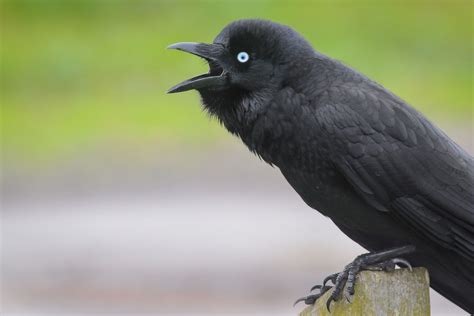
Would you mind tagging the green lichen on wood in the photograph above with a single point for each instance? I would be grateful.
(400, 292)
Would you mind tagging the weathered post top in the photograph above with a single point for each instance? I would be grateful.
(399, 292)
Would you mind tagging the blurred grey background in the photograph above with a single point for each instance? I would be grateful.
(118, 198)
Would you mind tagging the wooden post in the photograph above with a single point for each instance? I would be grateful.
(400, 292)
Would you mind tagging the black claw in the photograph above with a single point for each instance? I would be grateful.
(382, 260)
(316, 287)
(331, 277)
(328, 303)
(308, 300)
(301, 299)
(404, 262)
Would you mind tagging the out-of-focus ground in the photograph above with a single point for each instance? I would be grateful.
(118, 198)
(172, 235)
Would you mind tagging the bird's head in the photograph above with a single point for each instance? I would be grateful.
(249, 59)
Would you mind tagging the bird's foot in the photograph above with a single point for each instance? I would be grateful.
(375, 261)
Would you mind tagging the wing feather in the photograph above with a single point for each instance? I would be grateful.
(400, 162)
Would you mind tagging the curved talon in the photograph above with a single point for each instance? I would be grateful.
(328, 303)
(316, 287)
(301, 299)
(308, 300)
(331, 277)
(404, 262)
(344, 282)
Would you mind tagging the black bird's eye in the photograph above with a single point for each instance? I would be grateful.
(243, 57)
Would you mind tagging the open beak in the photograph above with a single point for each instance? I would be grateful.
(215, 78)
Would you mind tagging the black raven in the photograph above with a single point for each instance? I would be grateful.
(382, 172)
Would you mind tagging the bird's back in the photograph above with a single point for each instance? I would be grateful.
(385, 174)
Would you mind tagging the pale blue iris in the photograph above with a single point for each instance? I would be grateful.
(243, 57)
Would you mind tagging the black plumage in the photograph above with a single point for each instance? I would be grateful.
(383, 173)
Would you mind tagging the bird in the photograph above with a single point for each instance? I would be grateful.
(386, 176)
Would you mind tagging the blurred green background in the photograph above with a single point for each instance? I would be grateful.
(117, 197)
(77, 76)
